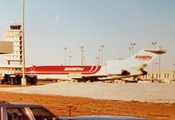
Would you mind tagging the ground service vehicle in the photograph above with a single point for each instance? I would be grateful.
(24, 111)
(16, 79)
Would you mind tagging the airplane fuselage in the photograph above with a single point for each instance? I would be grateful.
(64, 72)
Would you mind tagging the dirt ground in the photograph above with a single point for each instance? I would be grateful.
(61, 105)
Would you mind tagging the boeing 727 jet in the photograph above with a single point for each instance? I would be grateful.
(113, 69)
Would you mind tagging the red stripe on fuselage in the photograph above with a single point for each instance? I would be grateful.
(62, 69)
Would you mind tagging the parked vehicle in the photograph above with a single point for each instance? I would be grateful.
(25, 111)
(16, 79)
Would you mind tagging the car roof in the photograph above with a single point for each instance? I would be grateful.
(17, 104)
(104, 118)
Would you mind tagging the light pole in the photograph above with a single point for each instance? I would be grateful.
(96, 60)
(84, 58)
(102, 46)
(65, 48)
(156, 65)
(69, 59)
(23, 79)
(154, 43)
(99, 56)
(133, 44)
(160, 47)
(130, 51)
(82, 47)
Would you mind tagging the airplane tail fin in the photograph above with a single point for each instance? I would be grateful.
(136, 62)
(141, 59)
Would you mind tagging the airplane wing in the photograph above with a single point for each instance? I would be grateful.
(124, 74)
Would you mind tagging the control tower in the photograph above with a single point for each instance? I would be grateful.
(14, 35)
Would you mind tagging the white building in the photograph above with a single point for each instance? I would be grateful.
(159, 76)
(14, 35)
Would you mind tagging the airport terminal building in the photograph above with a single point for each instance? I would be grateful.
(159, 76)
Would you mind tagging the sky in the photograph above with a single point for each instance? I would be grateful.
(52, 25)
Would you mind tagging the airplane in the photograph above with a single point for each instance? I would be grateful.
(113, 69)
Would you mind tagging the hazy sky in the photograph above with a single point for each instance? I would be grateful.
(51, 25)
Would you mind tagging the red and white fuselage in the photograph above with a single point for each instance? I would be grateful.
(63, 72)
(113, 69)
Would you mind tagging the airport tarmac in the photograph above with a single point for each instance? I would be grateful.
(142, 92)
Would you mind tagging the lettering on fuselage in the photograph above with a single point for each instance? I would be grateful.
(143, 57)
(73, 69)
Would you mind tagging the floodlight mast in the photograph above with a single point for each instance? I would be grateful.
(23, 80)
(133, 44)
(130, 51)
(65, 48)
(102, 46)
(154, 43)
(82, 50)
(160, 47)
